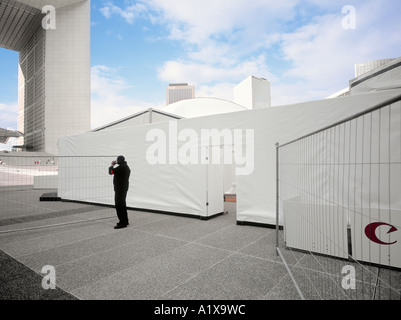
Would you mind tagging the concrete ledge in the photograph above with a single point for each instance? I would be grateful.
(52, 196)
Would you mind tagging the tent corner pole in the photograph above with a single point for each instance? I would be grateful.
(277, 195)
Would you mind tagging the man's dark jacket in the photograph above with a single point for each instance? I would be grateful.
(121, 176)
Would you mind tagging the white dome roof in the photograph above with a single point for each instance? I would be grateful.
(199, 107)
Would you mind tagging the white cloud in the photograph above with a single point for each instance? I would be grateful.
(323, 54)
(110, 101)
(129, 14)
(203, 73)
(197, 21)
(9, 115)
(222, 90)
(225, 41)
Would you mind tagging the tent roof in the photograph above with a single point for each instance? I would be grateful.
(137, 115)
(6, 134)
(199, 107)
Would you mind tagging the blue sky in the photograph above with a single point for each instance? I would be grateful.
(139, 47)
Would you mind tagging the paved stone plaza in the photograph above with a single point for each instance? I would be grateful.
(158, 257)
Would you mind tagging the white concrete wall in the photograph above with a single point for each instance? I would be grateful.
(261, 93)
(68, 74)
(31, 92)
(243, 93)
(253, 93)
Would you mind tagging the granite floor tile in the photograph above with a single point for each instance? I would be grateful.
(238, 277)
(101, 264)
(234, 238)
(152, 278)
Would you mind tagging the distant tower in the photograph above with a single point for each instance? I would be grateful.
(253, 93)
(179, 91)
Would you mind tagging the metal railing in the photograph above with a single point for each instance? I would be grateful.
(339, 207)
(32, 185)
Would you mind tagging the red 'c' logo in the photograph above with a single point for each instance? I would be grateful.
(370, 232)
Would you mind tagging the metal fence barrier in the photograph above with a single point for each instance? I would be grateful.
(339, 207)
(33, 185)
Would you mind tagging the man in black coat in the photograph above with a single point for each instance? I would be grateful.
(121, 175)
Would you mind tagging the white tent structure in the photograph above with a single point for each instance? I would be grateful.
(385, 77)
(166, 178)
(143, 117)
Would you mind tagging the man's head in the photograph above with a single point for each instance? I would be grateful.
(120, 160)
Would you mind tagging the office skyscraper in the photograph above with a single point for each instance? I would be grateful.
(179, 91)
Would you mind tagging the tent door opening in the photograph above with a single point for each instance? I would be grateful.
(220, 182)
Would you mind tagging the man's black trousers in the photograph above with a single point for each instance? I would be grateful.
(121, 206)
